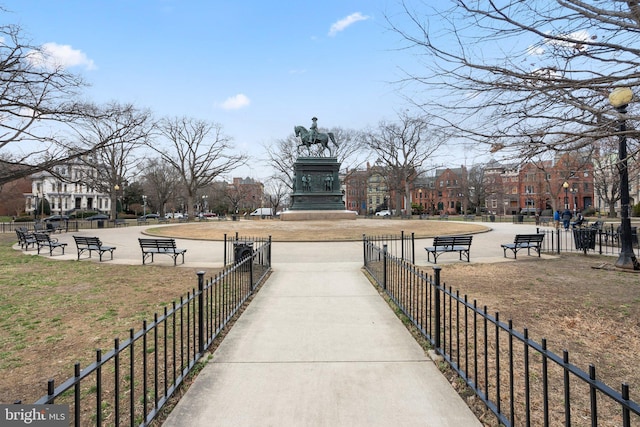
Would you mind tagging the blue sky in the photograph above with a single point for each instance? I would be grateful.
(256, 67)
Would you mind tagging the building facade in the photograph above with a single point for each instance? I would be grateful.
(65, 192)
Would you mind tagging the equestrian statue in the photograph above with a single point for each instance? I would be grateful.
(312, 136)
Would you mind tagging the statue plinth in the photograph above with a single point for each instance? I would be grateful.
(316, 188)
(317, 215)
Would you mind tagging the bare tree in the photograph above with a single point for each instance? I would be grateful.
(38, 106)
(607, 184)
(281, 156)
(276, 194)
(237, 194)
(402, 148)
(198, 151)
(118, 131)
(523, 77)
(476, 191)
(160, 182)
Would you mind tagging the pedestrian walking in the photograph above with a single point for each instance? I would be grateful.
(566, 218)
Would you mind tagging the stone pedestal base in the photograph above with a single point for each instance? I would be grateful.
(317, 215)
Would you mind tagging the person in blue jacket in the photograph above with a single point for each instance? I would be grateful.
(556, 218)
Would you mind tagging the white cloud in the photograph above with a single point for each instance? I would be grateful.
(573, 40)
(236, 102)
(535, 50)
(345, 22)
(55, 55)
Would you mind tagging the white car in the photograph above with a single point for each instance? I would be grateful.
(175, 215)
(383, 213)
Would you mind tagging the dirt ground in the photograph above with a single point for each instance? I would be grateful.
(54, 313)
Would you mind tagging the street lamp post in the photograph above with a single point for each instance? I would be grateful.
(116, 188)
(566, 194)
(620, 98)
(574, 194)
(144, 205)
(204, 203)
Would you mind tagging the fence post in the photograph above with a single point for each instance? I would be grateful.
(558, 236)
(436, 272)
(201, 310)
(384, 267)
(224, 249)
(251, 255)
(413, 248)
(269, 253)
(364, 248)
(402, 245)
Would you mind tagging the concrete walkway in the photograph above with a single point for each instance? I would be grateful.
(317, 346)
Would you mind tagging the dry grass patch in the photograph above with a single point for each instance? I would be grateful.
(574, 303)
(315, 231)
(56, 313)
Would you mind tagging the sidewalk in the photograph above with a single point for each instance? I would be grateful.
(319, 347)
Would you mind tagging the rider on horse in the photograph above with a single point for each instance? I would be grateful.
(313, 130)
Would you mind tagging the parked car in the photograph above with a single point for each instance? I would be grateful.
(176, 215)
(208, 215)
(383, 213)
(150, 216)
(57, 218)
(262, 212)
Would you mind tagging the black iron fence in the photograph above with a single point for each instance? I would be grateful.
(519, 380)
(130, 384)
(11, 227)
(604, 241)
(237, 248)
(399, 245)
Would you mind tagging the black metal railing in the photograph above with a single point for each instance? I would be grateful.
(399, 245)
(130, 384)
(603, 241)
(236, 247)
(519, 380)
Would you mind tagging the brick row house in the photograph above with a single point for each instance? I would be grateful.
(507, 188)
(564, 182)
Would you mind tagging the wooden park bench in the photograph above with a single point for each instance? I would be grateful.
(25, 238)
(524, 241)
(91, 244)
(43, 239)
(150, 247)
(142, 221)
(442, 244)
(120, 222)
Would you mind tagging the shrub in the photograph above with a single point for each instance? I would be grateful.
(590, 211)
(24, 219)
(635, 210)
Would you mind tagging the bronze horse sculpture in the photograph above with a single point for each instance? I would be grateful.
(320, 138)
